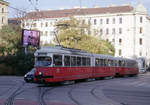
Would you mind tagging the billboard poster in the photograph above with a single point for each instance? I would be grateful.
(30, 37)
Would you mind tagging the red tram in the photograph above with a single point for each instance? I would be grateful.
(59, 64)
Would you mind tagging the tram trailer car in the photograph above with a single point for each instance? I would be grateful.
(59, 64)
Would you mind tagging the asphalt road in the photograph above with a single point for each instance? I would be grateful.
(117, 91)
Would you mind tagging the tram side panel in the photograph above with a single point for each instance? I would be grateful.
(103, 68)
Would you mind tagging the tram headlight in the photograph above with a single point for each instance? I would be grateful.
(25, 75)
(40, 73)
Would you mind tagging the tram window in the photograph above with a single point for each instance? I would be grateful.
(115, 63)
(105, 62)
(67, 60)
(73, 61)
(78, 61)
(109, 62)
(96, 62)
(101, 62)
(112, 63)
(88, 60)
(120, 63)
(83, 61)
(43, 61)
(123, 63)
(57, 59)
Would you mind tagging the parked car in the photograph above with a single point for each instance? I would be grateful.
(29, 77)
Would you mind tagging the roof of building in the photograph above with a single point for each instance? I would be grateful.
(4, 2)
(78, 11)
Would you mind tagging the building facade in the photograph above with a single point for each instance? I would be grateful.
(3, 13)
(125, 26)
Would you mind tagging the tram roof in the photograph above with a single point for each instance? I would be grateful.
(103, 56)
(62, 50)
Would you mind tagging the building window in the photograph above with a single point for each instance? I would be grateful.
(140, 41)
(141, 30)
(120, 41)
(120, 20)
(113, 31)
(34, 24)
(107, 21)
(46, 24)
(41, 24)
(83, 21)
(51, 23)
(27, 24)
(41, 33)
(140, 53)
(89, 22)
(101, 21)
(101, 31)
(46, 33)
(94, 21)
(23, 25)
(120, 30)
(113, 40)
(41, 42)
(2, 10)
(141, 19)
(120, 52)
(2, 20)
(107, 31)
(114, 20)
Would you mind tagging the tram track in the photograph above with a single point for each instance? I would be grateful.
(11, 98)
(18, 91)
(7, 90)
(71, 96)
(42, 93)
(83, 85)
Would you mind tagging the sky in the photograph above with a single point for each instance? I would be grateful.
(26, 5)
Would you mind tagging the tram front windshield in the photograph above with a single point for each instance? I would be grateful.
(43, 61)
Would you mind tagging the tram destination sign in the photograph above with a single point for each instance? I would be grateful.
(30, 37)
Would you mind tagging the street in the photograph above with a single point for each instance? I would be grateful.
(117, 91)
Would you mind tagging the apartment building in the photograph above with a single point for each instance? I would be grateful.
(3, 13)
(125, 26)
